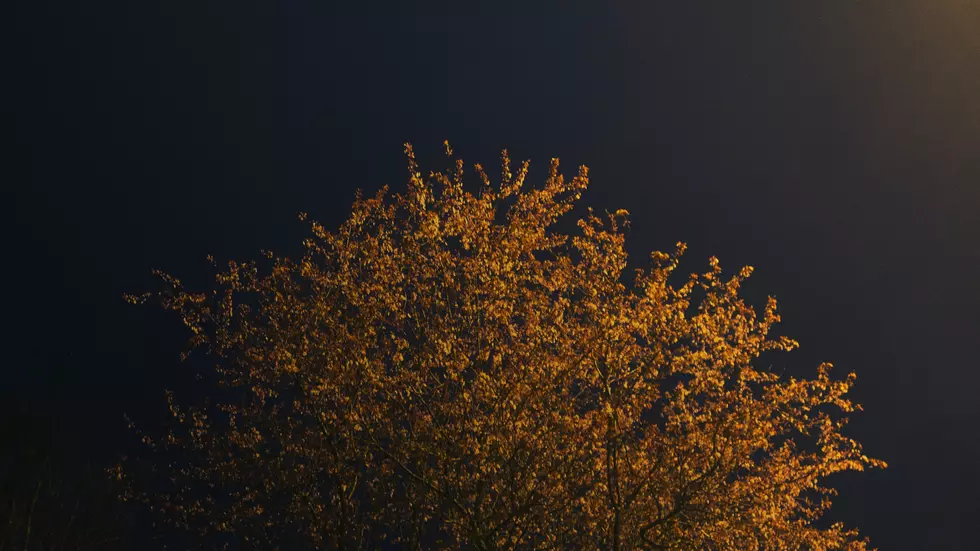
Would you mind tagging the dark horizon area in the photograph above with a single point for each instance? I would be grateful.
(833, 146)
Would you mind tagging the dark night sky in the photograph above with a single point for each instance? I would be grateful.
(833, 145)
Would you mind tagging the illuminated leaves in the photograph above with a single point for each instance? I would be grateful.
(449, 366)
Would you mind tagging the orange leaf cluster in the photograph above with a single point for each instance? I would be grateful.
(449, 370)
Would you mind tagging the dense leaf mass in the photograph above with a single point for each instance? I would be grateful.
(449, 370)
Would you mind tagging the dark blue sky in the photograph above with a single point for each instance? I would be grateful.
(833, 145)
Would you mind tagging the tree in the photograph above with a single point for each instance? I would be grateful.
(449, 369)
(43, 507)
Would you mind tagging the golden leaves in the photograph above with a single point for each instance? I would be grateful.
(436, 368)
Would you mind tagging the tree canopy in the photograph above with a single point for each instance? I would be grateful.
(451, 368)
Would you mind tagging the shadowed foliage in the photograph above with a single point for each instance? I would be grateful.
(48, 507)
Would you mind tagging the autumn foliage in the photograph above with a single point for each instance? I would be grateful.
(450, 370)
